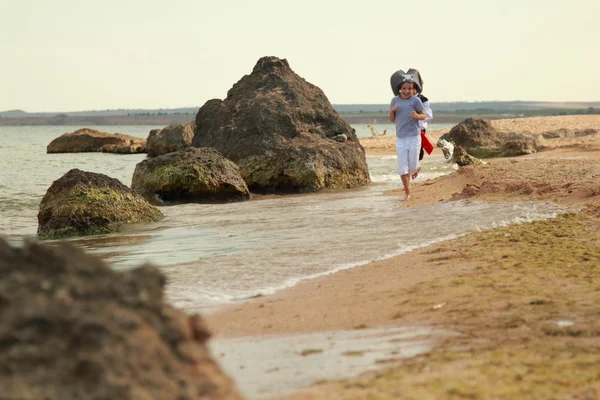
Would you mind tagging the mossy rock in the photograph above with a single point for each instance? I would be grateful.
(84, 203)
(190, 175)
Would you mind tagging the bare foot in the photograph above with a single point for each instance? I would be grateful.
(407, 197)
(416, 173)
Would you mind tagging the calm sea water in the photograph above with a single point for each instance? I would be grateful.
(213, 254)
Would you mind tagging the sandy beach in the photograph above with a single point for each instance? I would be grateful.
(525, 299)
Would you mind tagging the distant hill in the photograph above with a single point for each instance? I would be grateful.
(341, 108)
(103, 113)
(444, 112)
(13, 114)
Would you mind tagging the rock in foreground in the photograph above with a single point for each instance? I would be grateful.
(72, 328)
(89, 140)
(190, 175)
(283, 133)
(86, 203)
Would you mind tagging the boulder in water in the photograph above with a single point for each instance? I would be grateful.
(190, 175)
(282, 132)
(89, 140)
(169, 139)
(86, 203)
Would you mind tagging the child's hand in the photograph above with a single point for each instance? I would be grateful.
(394, 108)
(414, 114)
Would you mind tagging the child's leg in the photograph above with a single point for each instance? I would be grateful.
(402, 154)
(406, 183)
(422, 152)
(413, 156)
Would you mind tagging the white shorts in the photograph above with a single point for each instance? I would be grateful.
(407, 152)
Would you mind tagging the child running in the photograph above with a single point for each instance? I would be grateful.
(406, 110)
(428, 114)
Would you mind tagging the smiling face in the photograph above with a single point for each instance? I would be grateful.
(406, 90)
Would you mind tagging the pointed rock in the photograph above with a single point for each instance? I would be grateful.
(280, 130)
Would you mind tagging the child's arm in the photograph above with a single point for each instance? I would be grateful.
(392, 115)
(418, 115)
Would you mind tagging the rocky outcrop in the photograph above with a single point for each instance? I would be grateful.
(479, 138)
(190, 175)
(282, 132)
(72, 328)
(169, 139)
(89, 140)
(86, 203)
(462, 158)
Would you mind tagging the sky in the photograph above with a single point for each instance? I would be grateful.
(76, 55)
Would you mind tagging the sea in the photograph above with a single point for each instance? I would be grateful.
(214, 254)
(217, 254)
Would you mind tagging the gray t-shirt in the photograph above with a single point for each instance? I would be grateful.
(405, 124)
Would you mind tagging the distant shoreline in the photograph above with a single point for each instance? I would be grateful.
(165, 120)
(81, 121)
(359, 116)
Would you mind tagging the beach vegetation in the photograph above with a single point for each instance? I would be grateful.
(525, 333)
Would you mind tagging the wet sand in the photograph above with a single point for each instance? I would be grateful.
(524, 299)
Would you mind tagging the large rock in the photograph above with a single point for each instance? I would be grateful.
(169, 139)
(478, 137)
(89, 140)
(190, 175)
(72, 328)
(280, 131)
(86, 203)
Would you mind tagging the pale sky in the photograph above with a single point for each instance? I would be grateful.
(75, 55)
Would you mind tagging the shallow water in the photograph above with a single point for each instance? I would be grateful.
(218, 253)
(213, 254)
(278, 365)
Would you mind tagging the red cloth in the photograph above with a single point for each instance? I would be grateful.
(427, 146)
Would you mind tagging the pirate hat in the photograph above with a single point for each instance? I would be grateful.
(399, 77)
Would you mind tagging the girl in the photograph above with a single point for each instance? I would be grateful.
(406, 111)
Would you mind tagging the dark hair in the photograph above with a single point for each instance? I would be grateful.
(411, 82)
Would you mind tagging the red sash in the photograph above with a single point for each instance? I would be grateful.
(427, 146)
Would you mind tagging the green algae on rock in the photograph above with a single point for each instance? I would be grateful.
(84, 203)
(190, 175)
